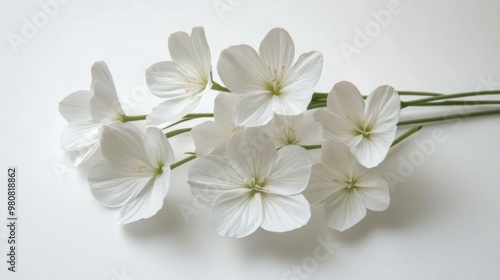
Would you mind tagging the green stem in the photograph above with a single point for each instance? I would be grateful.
(181, 162)
(189, 117)
(316, 105)
(218, 87)
(406, 135)
(311, 147)
(133, 118)
(449, 117)
(418, 93)
(177, 132)
(460, 102)
(447, 96)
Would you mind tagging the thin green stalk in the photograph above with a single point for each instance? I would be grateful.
(311, 147)
(218, 87)
(181, 162)
(449, 117)
(133, 118)
(189, 117)
(418, 93)
(447, 96)
(316, 105)
(461, 102)
(177, 132)
(406, 135)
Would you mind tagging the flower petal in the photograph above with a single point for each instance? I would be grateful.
(209, 176)
(255, 109)
(80, 135)
(225, 108)
(337, 128)
(375, 195)
(100, 71)
(124, 141)
(104, 104)
(76, 106)
(242, 70)
(80, 156)
(172, 110)
(285, 213)
(159, 149)
(383, 107)
(291, 172)
(371, 152)
(277, 52)
(192, 52)
(304, 74)
(237, 213)
(169, 79)
(148, 202)
(252, 151)
(211, 138)
(346, 101)
(113, 183)
(344, 210)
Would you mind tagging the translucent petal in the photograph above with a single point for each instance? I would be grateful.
(100, 71)
(242, 70)
(169, 79)
(104, 104)
(253, 152)
(114, 182)
(304, 75)
(158, 148)
(285, 213)
(211, 138)
(80, 135)
(225, 108)
(277, 52)
(237, 213)
(255, 109)
(344, 210)
(346, 101)
(172, 110)
(375, 196)
(290, 174)
(383, 107)
(76, 106)
(191, 53)
(148, 202)
(209, 176)
(124, 141)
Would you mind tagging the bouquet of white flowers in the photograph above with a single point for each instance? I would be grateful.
(251, 165)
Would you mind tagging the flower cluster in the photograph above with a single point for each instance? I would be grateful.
(251, 165)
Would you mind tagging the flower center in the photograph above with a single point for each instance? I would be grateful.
(290, 136)
(276, 80)
(256, 185)
(363, 129)
(351, 183)
(237, 128)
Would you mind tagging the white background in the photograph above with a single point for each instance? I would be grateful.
(444, 217)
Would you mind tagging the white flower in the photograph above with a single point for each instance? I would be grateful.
(300, 130)
(135, 171)
(254, 186)
(87, 112)
(270, 81)
(211, 137)
(345, 187)
(181, 81)
(367, 129)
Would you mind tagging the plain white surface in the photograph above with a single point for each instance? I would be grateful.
(443, 220)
